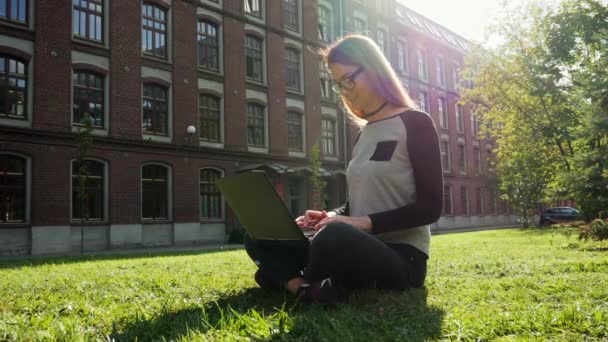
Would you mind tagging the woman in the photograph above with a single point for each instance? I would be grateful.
(380, 238)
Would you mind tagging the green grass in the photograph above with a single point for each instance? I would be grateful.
(493, 285)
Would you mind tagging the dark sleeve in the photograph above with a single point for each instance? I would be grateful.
(425, 157)
(343, 210)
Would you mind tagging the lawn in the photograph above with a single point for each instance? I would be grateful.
(504, 284)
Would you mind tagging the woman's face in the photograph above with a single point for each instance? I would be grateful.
(354, 82)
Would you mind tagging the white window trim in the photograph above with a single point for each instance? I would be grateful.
(169, 41)
(332, 113)
(106, 27)
(169, 192)
(443, 73)
(260, 97)
(27, 47)
(207, 219)
(220, 41)
(330, 28)
(455, 76)
(106, 192)
(444, 118)
(103, 63)
(300, 105)
(249, 27)
(262, 19)
(425, 64)
(165, 76)
(28, 188)
(217, 88)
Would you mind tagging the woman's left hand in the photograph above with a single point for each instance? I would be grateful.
(363, 223)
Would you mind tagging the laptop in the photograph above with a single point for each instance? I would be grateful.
(259, 208)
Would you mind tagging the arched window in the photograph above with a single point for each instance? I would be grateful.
(88, 97)
(13, 184)
(208, 52)
(155, 107)
(13, 87)
(155, 192)
(209, 118)
(210, 198)
(91, 206)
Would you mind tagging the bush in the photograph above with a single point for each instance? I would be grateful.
(595, 230)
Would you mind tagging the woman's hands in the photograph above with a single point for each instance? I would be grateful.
(363, 223)
(311, 218)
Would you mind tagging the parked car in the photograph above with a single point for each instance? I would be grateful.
(559, 215)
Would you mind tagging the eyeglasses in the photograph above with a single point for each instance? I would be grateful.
(347, 82)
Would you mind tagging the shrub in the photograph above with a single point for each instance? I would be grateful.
(594, 230)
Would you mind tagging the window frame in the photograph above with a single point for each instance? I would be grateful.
(460, 118)
(330, 21)
(292, 15)
(450, 194)
(402, 59)
(169, 193)
(98, 74)
(222, 205)
(290, 63)
(166, 89)
(249, 117)
(325, 137)
(209, 24)
(446, 153)
(261, 5)
(464, 199)
(8, 19)
(161, 33)
(104, 191)
(251, 52)
(217, 98)
(27, 189)
(88, 12)
(423, 64)
(299, 128)
(6, 91)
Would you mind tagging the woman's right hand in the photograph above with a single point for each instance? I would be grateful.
(310, 218)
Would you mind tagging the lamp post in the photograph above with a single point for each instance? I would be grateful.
(191, 131)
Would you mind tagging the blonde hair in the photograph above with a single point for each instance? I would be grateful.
(358, 50)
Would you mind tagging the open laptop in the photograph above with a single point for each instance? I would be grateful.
(259, 208)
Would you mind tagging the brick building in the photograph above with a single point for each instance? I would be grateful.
(242, 73)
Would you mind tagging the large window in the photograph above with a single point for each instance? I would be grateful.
(13, 87)
(325, 79)
(325, 24)
(292, 68)
(462, 158)
(155, 192)
(447, 200)
(478, 201)
(87, 20)
(91, 206)
(210, 198)
(440, 64)
(295, 196)
(88, 98)
(445, 156)
(253, 58)
(443, 113)
(14, 10)
(208, 51)
(12, 188)
(477, 155)
(154, 31)
(291, 15)
(359, 26)
(328, 137)
(381, 40)
(252, 7)
(474, 124)
(209, 118)
(455, 76)
(423, 68)
(460, 118)
(256, 125)
(155, 107)
(401, 56)
(464, 200)
(294, 131)
(424, 101)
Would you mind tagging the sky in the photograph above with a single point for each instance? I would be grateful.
(467, 18)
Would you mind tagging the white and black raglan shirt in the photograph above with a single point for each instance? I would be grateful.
(395, 178)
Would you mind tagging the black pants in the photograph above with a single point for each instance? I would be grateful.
(351, 258)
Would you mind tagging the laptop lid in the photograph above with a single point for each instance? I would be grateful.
(258, 207)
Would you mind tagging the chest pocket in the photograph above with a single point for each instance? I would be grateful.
(384, 150)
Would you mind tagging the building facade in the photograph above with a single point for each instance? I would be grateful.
(183, 92)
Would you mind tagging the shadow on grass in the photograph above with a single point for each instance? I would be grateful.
(124, 254)
(260, 315)
(536, 230)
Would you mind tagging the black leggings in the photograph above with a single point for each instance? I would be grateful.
(351, 258)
